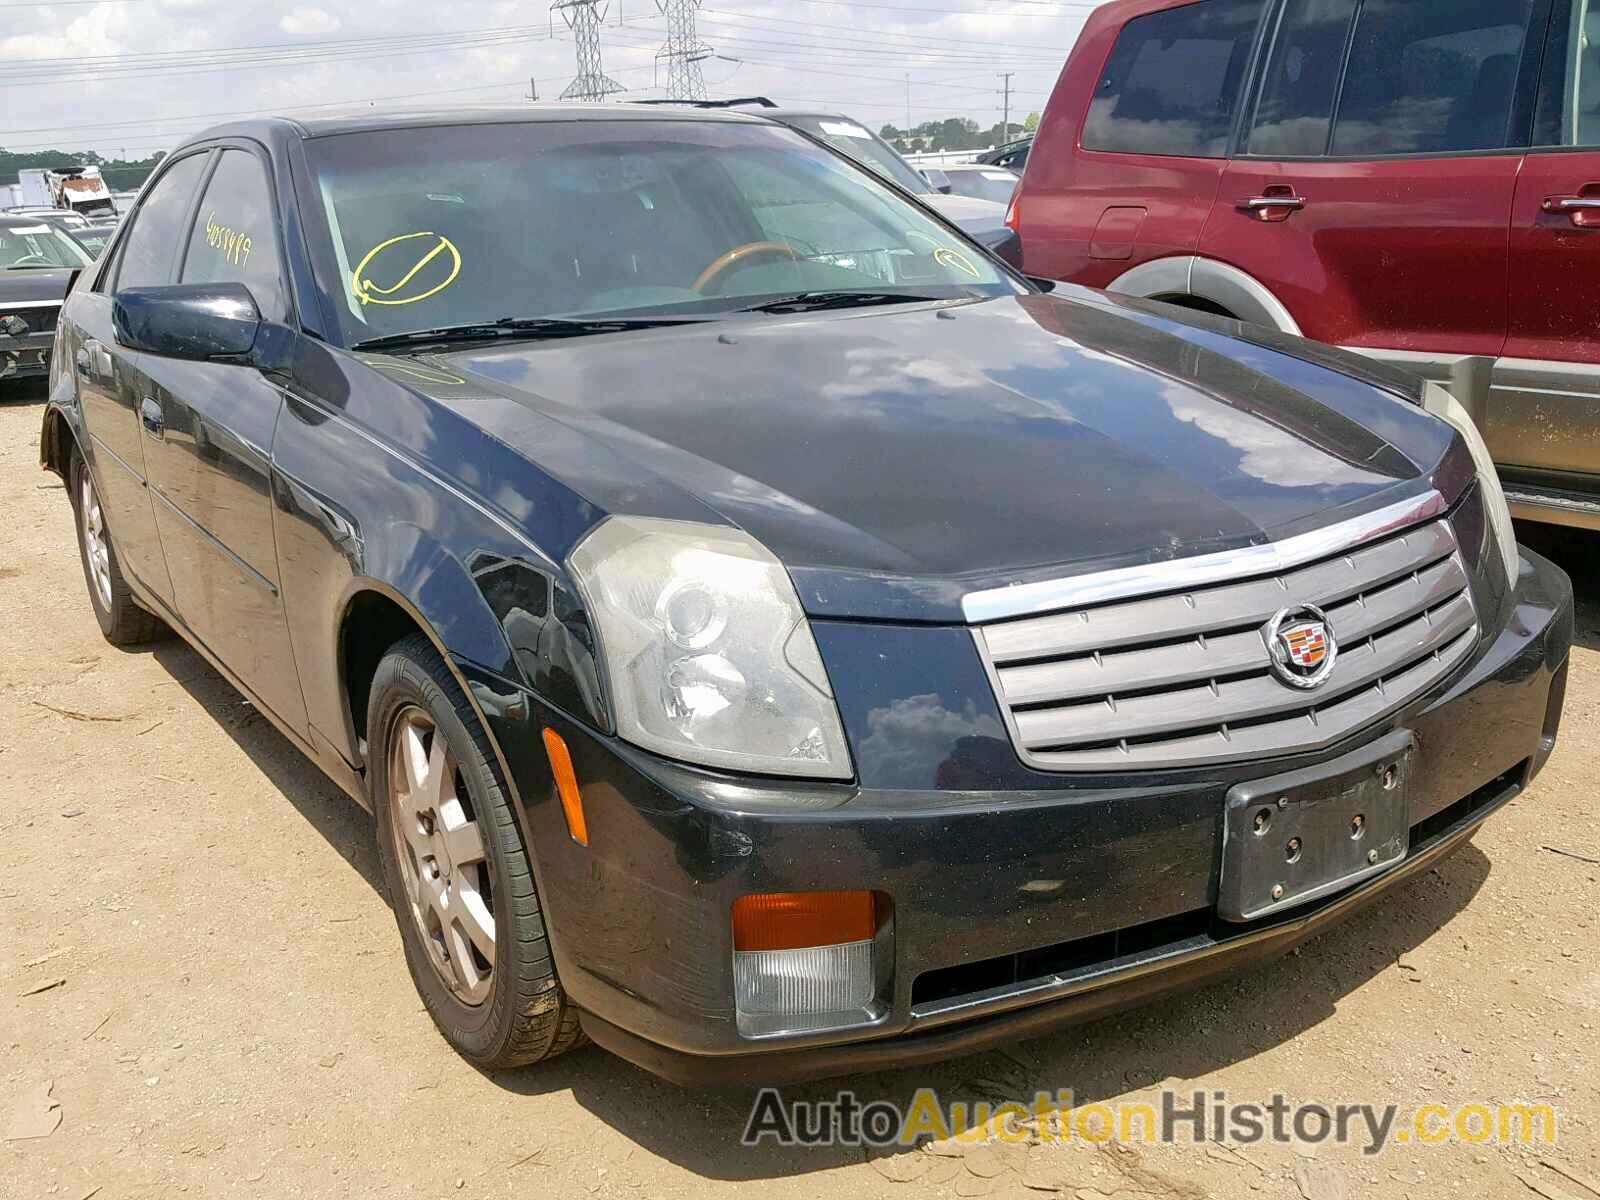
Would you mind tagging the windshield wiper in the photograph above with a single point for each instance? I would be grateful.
(522, 327)
(814, 301)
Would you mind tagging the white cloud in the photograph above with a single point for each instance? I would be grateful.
(826, 52)
(304, 22)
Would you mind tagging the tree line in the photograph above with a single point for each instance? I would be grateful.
(122, 175)
(956, 133)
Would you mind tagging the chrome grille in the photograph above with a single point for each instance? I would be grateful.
(40, 319)
(1185, 678)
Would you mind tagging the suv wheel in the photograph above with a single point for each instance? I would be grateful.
(458, 876)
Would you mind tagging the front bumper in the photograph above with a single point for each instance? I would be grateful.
(25, 357)
(1017, 909)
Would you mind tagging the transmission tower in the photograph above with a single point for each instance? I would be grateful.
(583, 17)
(684, 51)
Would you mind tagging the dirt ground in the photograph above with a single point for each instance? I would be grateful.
(235, 1018)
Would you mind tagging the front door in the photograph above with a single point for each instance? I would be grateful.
(146, 256)
(1372, 193)
(210, 429)
(1544, 426)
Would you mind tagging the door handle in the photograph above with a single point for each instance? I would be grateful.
(1273, 208)
(1582, 209)
(153, 418)
(84, 363)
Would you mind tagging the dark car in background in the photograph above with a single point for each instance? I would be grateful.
(1419, 182)
(37, 265)
(1013, 156)
(774, 639)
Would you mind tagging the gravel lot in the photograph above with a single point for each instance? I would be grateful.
(234, 1016)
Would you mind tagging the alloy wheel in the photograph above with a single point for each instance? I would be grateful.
(94, 539)
(443, 864)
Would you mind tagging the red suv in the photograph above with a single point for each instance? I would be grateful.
(1418, 181)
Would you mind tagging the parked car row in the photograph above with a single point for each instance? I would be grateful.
(38, 261)
(1418, 182)
(774, 637)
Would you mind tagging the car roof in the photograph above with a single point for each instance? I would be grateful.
(332, 124)
(14, 220)
(949, 167)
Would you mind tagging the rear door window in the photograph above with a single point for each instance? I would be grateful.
(1294, 116)
(1172, 83)
(150, 251)
(1432, 76)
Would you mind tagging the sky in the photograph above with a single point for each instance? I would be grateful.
(128, 77)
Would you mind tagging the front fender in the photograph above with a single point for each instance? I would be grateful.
(352, 520)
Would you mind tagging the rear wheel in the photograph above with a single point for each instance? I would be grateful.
(458, 876)
(121, 619)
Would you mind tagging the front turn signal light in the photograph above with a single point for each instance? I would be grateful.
(805, 961)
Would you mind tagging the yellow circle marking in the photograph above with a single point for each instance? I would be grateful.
(368, 292)
(947, 257)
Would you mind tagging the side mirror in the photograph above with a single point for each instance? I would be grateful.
(198, 322)
(937, 180)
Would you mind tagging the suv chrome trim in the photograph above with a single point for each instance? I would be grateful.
(1150, 579)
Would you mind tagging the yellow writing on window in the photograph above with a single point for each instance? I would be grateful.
(417, 281)
(947, 257)
(232, 244)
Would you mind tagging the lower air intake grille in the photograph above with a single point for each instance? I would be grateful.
(1186, 678)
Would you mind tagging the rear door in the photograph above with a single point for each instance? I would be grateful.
(1127, 161)
(1372, 190)
(210, 460)
(1545, 414)
(110, 377)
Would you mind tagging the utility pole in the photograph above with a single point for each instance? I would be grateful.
(582, 17)
(908, 108)
(684, 51)
(1005, 122)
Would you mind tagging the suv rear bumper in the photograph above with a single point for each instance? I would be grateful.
(1111, 884)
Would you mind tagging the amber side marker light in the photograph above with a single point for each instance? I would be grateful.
(801, 920)
(808, 961)
(567, 786)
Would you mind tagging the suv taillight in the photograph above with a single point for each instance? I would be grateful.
(1014, 212)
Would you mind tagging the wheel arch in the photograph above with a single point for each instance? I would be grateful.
(58, 438)
(1217, 284)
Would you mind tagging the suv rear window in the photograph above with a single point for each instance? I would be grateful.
(1172, 84)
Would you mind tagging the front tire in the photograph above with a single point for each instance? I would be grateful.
(121, 619)
(457, 874)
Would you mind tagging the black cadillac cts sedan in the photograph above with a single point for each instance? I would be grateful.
(774, 639)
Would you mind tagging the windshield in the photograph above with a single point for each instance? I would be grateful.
(38, 246)
(92, 239)
(989, 184)
(862, 144)
(436, 227)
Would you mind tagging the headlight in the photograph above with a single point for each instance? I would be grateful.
(1438, 401)
(707, 651)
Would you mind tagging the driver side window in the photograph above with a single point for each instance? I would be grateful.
(235, 236)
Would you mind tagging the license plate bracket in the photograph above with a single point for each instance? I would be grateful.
(1295, 838)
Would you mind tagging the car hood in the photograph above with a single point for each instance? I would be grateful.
(895, 459)
(969, 213)
(29, 286)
